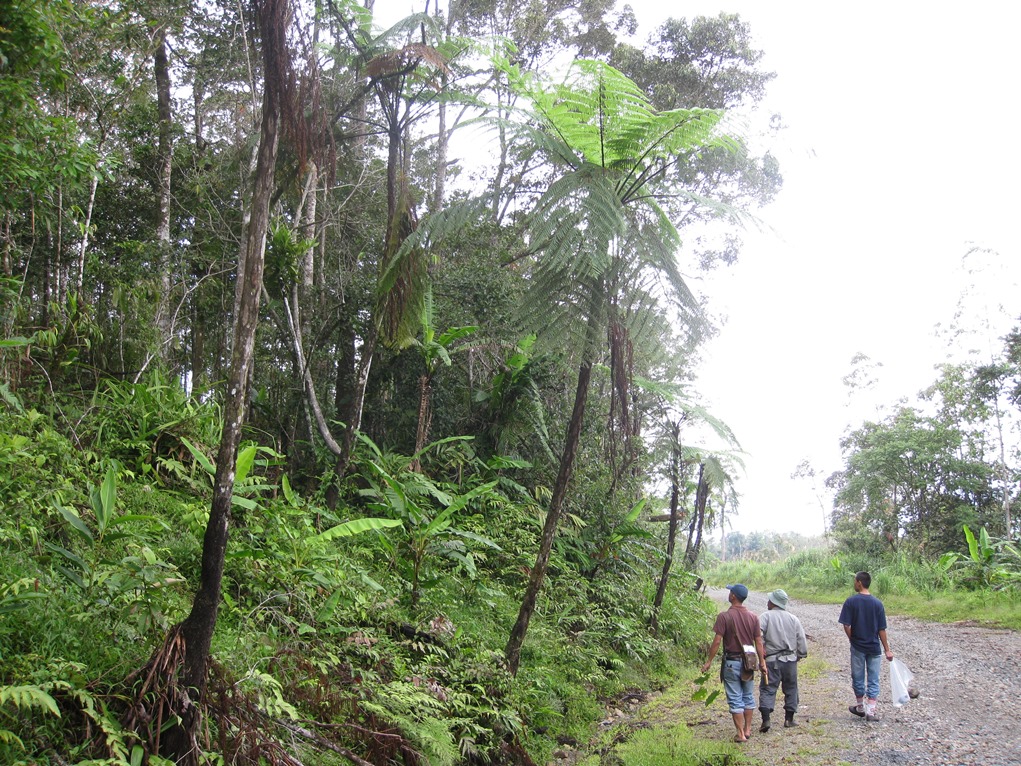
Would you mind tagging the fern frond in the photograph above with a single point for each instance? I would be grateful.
(28, 697)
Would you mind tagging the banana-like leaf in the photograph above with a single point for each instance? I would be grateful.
(972, 544)
(354, 527)
(245, 461)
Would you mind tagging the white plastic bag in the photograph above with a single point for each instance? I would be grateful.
(900, 682)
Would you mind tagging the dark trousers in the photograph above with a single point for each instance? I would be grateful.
(782, 675)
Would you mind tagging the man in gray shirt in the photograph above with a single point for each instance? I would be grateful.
(784, 642)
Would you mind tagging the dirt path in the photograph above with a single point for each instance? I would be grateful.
(970, 683)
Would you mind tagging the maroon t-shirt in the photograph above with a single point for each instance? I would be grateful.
(738, 626)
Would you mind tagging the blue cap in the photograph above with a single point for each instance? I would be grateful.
(739, 590)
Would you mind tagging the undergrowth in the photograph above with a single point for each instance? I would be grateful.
(381, 643)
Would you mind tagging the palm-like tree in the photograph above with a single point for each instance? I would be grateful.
(596, 225)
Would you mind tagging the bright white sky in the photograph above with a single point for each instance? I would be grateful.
(897, 159)
(900, 155)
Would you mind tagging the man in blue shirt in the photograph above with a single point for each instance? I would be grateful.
(864, 619)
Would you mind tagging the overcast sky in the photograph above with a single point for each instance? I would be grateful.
(899, 156)
(898, 159)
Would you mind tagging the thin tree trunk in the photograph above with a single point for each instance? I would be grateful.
(79, 269)
(723, 535)
(671, 539)
(197, 629)
(357, 402)
(165, 161)
(700, 532)
(697, 521)
(694, 521)
(317, 418)
(424, 418)
(308, 228)
(442, 142)
(512, 652)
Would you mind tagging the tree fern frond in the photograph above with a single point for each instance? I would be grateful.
(407, 57)
(404, 28)
(27, 697)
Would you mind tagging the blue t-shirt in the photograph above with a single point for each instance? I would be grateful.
(866, 616)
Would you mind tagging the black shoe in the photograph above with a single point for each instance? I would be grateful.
(788, 721)
(765, 721)
(858, 710)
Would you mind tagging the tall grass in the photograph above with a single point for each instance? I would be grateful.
(918, 588)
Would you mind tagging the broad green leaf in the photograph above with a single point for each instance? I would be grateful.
(636, 511)
(354, 527)
(73, 558)
(476, 538)
(289, 494)
(103, 499)
(76, 522)
(200, 458)
(243, 502)
(245, 461)
(329, 606)
(972, 545)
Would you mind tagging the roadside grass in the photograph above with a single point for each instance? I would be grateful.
(676, 746)
(912, 589)
(667, 738)
(813, 667)
(677, 729)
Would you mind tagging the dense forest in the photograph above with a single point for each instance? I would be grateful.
(347, 376)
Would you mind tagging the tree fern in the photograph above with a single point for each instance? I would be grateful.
(599, 219)
(28, 697)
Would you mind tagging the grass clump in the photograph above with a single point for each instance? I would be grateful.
(675, 746)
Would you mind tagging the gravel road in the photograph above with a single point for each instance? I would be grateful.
(970, 683)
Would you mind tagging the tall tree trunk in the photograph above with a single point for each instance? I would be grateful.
(424, 418)
(512, 652)
(164, 165)
(310, 198)
(723, 532)
(675, 496)
(197, 630)
(691, 550)
(442, 144)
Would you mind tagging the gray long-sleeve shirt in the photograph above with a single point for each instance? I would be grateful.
(782, 636)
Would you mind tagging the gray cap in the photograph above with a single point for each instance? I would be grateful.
(779, 598)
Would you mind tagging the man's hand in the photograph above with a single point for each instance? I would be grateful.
(889, 655)
(705, 668)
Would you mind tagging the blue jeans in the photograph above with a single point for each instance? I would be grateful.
(861, 665)
(740, 694)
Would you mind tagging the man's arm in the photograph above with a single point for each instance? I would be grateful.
(762, 656)
(712, 652)
(847, 630)
(886, 644)
(802, 641)
(761, 649)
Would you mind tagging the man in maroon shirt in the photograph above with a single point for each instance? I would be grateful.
(737, 628)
